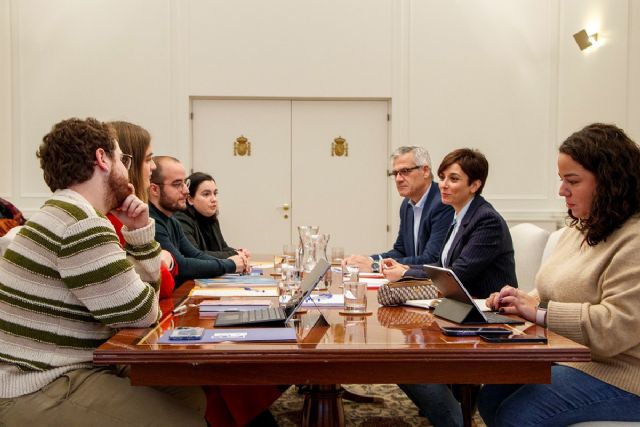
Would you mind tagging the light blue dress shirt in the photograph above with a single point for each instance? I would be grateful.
(417, 216)
(457, 219)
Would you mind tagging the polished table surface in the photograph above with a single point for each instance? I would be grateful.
(391, 345)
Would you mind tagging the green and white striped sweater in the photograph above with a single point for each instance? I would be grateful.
(66, 285)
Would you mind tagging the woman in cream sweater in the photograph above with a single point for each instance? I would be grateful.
(588, 290)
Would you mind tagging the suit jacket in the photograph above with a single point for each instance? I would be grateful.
(192, 262)
(204, 233)
(481, 253)
(434, 223)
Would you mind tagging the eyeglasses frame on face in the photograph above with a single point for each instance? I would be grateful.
(404, 171)
(127, 160)
(177, 185)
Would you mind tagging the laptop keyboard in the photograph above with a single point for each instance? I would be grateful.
(263, 315)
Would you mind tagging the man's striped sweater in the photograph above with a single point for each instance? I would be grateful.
(66, 285)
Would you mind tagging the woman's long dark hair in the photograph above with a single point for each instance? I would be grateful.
(607, 152)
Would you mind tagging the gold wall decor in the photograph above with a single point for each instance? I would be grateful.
(241, 146)
(340, 147)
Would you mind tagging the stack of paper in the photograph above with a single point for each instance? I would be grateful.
(213, 307)
(321, 300)
(235, 280)
(235, 291)
(373, 282)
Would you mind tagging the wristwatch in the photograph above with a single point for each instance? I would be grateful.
(375, 266)
(541, 313)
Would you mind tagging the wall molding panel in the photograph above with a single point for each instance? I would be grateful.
(503, 77)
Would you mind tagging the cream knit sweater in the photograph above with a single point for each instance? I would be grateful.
(594, 299)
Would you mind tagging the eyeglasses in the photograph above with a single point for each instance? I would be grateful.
(127, 160)
(176, 184)
(403, 172)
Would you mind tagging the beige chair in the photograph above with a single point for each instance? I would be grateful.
(529, 243)
(551, 243)
(7, 238)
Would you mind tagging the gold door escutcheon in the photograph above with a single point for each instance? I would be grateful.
(340, 147)
(241, 146)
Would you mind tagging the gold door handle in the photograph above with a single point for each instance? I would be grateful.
(285, 207)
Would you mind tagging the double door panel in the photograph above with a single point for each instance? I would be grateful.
(291, 170)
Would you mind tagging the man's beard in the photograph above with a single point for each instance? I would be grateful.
(171, 206)
(118, 190)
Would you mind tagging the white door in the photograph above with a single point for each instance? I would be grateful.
(254, 187)
(345, 195)
(291, 164)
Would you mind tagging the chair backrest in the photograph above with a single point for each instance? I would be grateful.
(7, 238)
(551, 243)
(529, 242)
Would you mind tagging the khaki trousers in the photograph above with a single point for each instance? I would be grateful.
(104, 397)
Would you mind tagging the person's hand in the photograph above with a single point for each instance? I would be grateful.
(244, 252)
(512, 300)
(241, 263)
(393, 270)
(363, 262)
(166, 259)
(133, 213)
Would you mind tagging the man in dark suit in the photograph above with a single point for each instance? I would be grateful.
(478, 247)
(424, 220)
(168, 194)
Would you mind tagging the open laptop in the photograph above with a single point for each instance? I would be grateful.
(457, 305)
(276, 314)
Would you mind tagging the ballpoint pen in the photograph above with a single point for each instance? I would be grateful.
(253, 290)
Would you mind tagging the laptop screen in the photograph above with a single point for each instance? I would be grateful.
(307, 285)
(449, 285)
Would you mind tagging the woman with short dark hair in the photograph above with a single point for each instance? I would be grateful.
(478, 249)
(588, 290)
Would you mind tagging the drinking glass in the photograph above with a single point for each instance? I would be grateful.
(355, 297)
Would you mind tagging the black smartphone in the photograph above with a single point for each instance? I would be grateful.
(515, 339)
(186, 333)
(455, 331)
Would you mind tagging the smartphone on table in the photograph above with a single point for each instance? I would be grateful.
(456, 331)
(514, 339)
(186, 333)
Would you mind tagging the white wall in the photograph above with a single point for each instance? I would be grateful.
(6, 144)
(504, 76)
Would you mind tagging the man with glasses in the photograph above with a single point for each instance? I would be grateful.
(424, 220)
(68, 286)
(167, 195)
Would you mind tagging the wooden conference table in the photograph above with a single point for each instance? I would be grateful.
(392, 345)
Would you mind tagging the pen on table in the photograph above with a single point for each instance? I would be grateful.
(254, 290)
(181, 309)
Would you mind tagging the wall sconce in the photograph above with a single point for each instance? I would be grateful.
(585, 40)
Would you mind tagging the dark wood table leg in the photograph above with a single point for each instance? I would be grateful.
(323, 406)
(467, 394)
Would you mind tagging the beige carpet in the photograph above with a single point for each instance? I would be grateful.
(395, 411)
